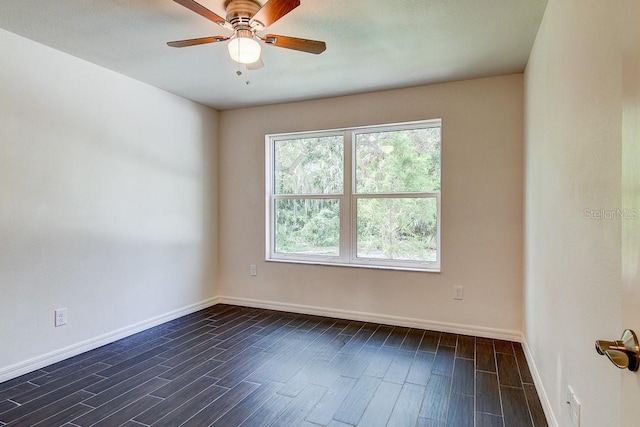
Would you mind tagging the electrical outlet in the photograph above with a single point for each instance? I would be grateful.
(458, 292)
(253, 270)
(60, 317)
(574, 408)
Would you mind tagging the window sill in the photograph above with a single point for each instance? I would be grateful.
(435, 269)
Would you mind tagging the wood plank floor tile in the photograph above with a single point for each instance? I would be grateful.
(43, 413)
(448, 340)
(428, 422)
(502, 346)
(430, 341)
(133, 361)
(193, 406)
(71, 369)
(267, 413)
(421, 366)
(466, 348)
(125, 386)
(407, 407)
(178, 354)
(396, 337)
(6, 405)
(307, 375)
(535, 407)
(488, 393)
(216, 409)
(443, 363)
(63, 416)
(463, 377)
(523, 366)
(329, 351)
(508, 373)
(323, 412)
(379, 336)
(10, 392)
(379, 409)
(488, 420)
(123, 375)
(380, 362)
(179, 383)
(399, 368)
(485, 357)
(435, 405)
(412, 340)
(128, 412)
(120, 402)
(47, 399)
(353, 327)
(57, 384)
(301, 405)
(357, 400)
(514, 404)
(168, 405)
(461, 413)
(243, 410)
(358, 340)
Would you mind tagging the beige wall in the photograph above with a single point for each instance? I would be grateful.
(576, 92)
(105, 206)
(481, 211)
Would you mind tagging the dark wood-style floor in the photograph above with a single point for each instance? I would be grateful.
(229, 366)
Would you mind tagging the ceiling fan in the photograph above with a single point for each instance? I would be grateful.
(246, 18)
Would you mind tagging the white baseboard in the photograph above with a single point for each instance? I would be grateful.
(542, 394)
(479, 331)
(38, 362)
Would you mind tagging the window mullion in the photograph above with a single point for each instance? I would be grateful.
(346, 202)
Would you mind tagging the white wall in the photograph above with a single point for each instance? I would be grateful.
(105, 206)
(575, 97)
(481, 211)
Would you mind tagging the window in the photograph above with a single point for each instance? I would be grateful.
(360, 196)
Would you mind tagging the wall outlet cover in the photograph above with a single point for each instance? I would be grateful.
(60, 317)
(574, 408)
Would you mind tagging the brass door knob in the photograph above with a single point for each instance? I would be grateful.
(624, 353)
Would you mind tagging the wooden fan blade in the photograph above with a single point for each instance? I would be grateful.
(194, 42)
(203, 11)
(274, 10)
(303, 45)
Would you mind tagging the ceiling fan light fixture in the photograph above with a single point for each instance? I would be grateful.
(244, 50)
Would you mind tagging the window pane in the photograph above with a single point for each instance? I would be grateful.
(398, 229)
(309, 165)
(308, 226)
(398, 161)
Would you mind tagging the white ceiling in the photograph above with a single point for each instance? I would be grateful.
(371, 44)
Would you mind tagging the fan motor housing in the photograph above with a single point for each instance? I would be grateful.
(239, 12)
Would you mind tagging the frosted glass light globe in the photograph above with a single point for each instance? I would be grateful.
(244, 50)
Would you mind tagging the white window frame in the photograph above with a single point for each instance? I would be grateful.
(348, 202)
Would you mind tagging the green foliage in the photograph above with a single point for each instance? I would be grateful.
(308, 226)
(405, 161)
(402, 228)
(309, 166)
(398, 161)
